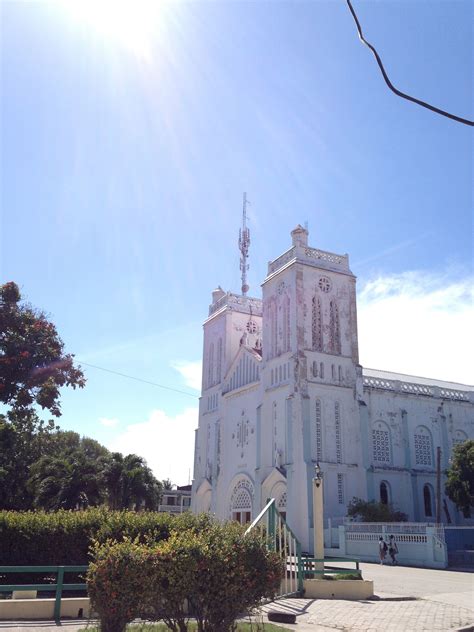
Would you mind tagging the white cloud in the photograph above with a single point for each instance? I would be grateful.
(191, 372)
(109, 422)
(167, 443)
(420, 324)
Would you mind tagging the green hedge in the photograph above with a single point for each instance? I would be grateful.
(64, 537)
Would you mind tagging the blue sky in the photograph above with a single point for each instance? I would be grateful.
(124, 161)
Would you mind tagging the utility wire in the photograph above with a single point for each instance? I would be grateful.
(459, 119)
(139, 379)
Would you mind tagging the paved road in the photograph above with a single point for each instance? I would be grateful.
(408, 600)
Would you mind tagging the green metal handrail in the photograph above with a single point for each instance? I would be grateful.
(279, 532)
(59, 586)
(326, 568)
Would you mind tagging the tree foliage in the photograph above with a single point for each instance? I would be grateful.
(40, 466)
(33, 364)
(373, 511)
(460, 477)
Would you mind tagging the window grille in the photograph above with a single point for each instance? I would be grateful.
(319, 446)
(316, 325)
(340, 488)
(334, 329)
(423, 449)
(337, 415)
(381, 445)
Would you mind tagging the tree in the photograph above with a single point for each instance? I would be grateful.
(130, 483)
(33, 364)
(167, 484)
(373, 511)
(23, 440)
(460, 483)
(69, 474)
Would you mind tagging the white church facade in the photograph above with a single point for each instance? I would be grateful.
(282, 390)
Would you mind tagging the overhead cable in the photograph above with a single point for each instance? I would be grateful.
(458, 119)
(139, 379)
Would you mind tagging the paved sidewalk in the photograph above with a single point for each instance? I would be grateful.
(407, 600)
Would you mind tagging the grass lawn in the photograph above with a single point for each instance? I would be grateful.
(241, 627)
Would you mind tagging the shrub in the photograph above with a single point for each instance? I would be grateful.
(174, 570)
(218, 571)
(234, 573)
(115, 581)
(39, 538)
(373, 511)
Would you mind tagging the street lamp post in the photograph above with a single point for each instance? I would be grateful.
(318, 522)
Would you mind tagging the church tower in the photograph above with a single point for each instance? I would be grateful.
(311, 376)
(231, 361)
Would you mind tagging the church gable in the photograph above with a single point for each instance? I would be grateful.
(244, 370)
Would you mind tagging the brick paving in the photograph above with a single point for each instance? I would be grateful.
(381, 615)
(407, 600)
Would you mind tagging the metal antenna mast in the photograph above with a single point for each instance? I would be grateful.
(244, 243)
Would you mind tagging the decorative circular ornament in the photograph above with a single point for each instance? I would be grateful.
(324, 284)
(252, 327)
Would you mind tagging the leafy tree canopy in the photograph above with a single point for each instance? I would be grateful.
(460, 477)
(372, 511)
(33, 364)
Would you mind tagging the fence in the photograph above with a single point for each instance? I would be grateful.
(419, 544)
(59, 586)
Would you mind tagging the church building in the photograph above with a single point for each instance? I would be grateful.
(282, 390)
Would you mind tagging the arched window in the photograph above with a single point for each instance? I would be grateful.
(210, 368)
(273, 330)
(241, 502)
(459, 437)
(274, 435)
(381, 443)
(334, 330)
(423, 446)
(428, 500)
(318, 432)
(384, 493)
(219, 360)
(286, 323)
(317, 325)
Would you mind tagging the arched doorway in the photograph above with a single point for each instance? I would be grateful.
(384, 493)
(428, 500)
(241, 502)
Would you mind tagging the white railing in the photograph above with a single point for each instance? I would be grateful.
(419, 544)
(328, 257)
(282, 260)
(413, 388)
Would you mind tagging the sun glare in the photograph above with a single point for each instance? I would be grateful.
(132, 23)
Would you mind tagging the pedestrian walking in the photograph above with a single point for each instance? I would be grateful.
(392, 549)
(382, 549)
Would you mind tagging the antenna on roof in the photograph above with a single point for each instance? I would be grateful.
(244, 243)
(306, 225)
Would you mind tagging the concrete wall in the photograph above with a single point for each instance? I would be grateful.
(11, 609)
